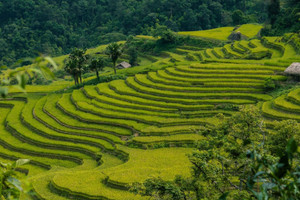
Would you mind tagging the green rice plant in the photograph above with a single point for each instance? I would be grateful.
(122, 88)
(171, 138)
(143, 164)
(217, 55)
(217, 70)
(201, 81)
(142, 80)
(217, 33)
(269, 111)
(33, 110)
(211, 54)
(174, 130)
(241, 65)
(66, 105)
(51, 110)
(91, 92)
(11, 142)
(205, 54)
(42, 190)
(122, 92)
(89, 185)
(218, 52)
(52, 123)
(250, 30)
(235, 47)
(152, 76)
(283, 104)
(229, 53)
(64, 133)
(232, 84)
(128, 118)
(294, 96)
(121, 109)
(174, 72)
(243, 44)
(277, 48)
(289, 51)
(182, 96)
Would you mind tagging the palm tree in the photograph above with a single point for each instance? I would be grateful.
(114, 51)
(75, 64)
(97, 65)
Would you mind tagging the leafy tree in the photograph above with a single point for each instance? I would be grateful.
(273, 10)
(97, 65)
(133, 53)
(114, 51)
(279, 180)
(238, 17)
(75, 64)
(284, 131)
(165, 34)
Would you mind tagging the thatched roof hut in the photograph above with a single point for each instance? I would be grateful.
(293, 69)
(123, 65)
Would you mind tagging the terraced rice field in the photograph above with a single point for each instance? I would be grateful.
(93, 142)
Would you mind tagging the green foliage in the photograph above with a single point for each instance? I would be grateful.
(97, 65)
(114, 51)
(164, 34)
(278, 180)
(75, 64)
(284, 131)
(269, 84)
(133, 53)
(38, 71)
(10, 185)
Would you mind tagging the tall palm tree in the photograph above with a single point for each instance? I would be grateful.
(75, 64)
(114, 51)
(97, 65)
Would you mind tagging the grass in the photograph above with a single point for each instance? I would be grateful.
(70, 109)
(15, 147)
(129, 95)
(283, 104)
(217, 33)
(144, 164)
(90, 185)
(294, 96)
(250, 30)
(269, 111)
(182, 138)
(129, 118)
(72, 123)
(142, 80)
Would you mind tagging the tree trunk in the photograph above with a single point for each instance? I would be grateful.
(80, 78)
(97, 74)
(74, 77)
(115, 68)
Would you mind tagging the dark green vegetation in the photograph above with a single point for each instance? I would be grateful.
(27, 27)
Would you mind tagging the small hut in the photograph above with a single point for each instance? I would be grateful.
(293, 70)
(123, 65)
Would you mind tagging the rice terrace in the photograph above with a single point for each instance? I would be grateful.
(164, 114)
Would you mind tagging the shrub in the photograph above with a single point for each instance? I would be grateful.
(269, 84)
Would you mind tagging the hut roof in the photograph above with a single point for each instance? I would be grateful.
(124, 64)
(293, 69)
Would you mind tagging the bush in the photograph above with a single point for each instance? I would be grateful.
(269, 84)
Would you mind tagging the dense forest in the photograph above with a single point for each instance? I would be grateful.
(56, 26)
